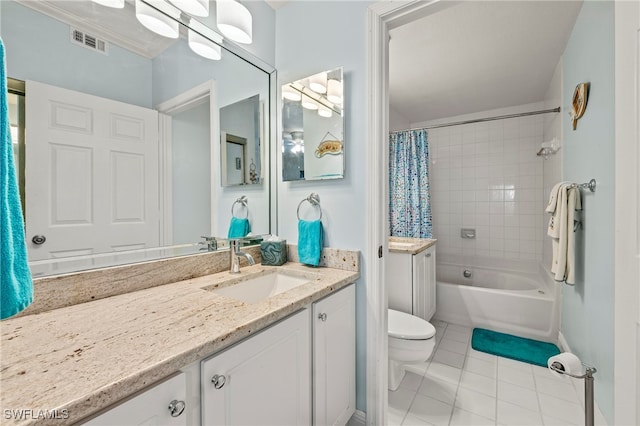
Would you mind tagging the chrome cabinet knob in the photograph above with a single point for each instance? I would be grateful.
(176, 407)
(38, 239)
(218, 381)
(428, 255)
(322, 316)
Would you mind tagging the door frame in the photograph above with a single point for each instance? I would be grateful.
(627, 214)
(381, 17)
(191, 98)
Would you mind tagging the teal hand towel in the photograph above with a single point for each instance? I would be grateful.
(239, 228)
(16, 286)
(310, 240)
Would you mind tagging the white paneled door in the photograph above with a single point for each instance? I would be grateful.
(91, 174)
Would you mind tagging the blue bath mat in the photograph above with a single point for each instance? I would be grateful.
(508, 346)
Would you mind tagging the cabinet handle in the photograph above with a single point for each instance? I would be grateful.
(428, 254)
(218, 381)
(176, 407)
(322, 316)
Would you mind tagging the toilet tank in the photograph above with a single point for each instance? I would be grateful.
(411, 280)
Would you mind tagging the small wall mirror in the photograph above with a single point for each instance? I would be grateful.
(313, 127)
(240, 147)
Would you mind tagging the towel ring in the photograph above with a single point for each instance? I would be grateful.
(314, 200)
(243, 202)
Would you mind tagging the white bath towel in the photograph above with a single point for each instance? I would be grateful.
(561, 230)
(553, 230)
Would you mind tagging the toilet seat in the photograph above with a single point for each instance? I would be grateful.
(409, 327)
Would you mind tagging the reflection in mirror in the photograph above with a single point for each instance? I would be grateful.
(240, 147)
(313, 127)
(122, 129)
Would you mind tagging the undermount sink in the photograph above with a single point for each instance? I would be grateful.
(262, 287)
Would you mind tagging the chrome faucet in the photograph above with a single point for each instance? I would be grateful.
(235, 253)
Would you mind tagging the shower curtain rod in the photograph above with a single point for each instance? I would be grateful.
(480, 120)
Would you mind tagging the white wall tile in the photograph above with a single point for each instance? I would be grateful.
(487, 176)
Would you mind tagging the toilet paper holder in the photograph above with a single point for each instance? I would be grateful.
(588, 388)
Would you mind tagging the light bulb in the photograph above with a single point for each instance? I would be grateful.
(334, 91)
(156, 21)
(116, 4)
(290, 93)
(234, 21)
(323, 111)
(318, 83)
(309, 104)
(193, 7)
(203, 46)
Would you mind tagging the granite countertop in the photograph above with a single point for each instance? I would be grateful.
(410, 245)
(85, 357)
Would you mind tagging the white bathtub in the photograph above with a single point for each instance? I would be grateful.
(515, 298)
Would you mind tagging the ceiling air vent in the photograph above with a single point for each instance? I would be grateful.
(89, 41)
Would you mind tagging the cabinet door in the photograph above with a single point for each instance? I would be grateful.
(334, 362)
(151, 407)
(424, 283)
(263, 380)
(399, 282)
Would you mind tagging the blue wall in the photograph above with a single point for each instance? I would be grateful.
(39, 48)
(587, 311)
(315, 36)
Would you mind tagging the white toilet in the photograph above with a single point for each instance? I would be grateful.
(411, 286)
(411, 340)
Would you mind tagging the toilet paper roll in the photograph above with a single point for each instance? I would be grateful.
(567, 362)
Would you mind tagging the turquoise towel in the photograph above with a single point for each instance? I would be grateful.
(16, 287)
(310, 240)
(238, 228)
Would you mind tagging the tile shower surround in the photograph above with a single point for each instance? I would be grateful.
(487, 176)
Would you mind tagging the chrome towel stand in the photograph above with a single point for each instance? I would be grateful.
(314, 200)
(588, 386)
(243, 202)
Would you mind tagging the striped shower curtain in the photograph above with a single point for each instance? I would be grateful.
(409, 204)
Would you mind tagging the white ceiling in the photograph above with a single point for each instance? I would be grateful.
(119, 26)
(476, 56)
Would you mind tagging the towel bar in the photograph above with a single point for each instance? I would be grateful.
(314, 200)
(243, 202)
(591, 185)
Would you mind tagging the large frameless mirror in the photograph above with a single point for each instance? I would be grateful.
(118, 132)
(313, 127)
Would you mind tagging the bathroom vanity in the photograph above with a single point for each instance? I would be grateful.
(187, 354)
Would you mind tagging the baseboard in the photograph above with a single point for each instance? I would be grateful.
(359, 418)
(564, 346)
(599, 419)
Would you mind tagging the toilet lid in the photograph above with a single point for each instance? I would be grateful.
(406, 326)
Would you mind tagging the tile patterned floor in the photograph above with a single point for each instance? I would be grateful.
(461, 386)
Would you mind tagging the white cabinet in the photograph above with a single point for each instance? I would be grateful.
(162, 404)
(411, 282)
(263, 380)
(299, 371)
(334, 358)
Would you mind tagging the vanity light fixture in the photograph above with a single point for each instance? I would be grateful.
(234, 21)
(318, 83)
(323, 111)
(193, 7)
(156, 21)
(334, 91)
(116, 4)
(203, 46)
(290, 93)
